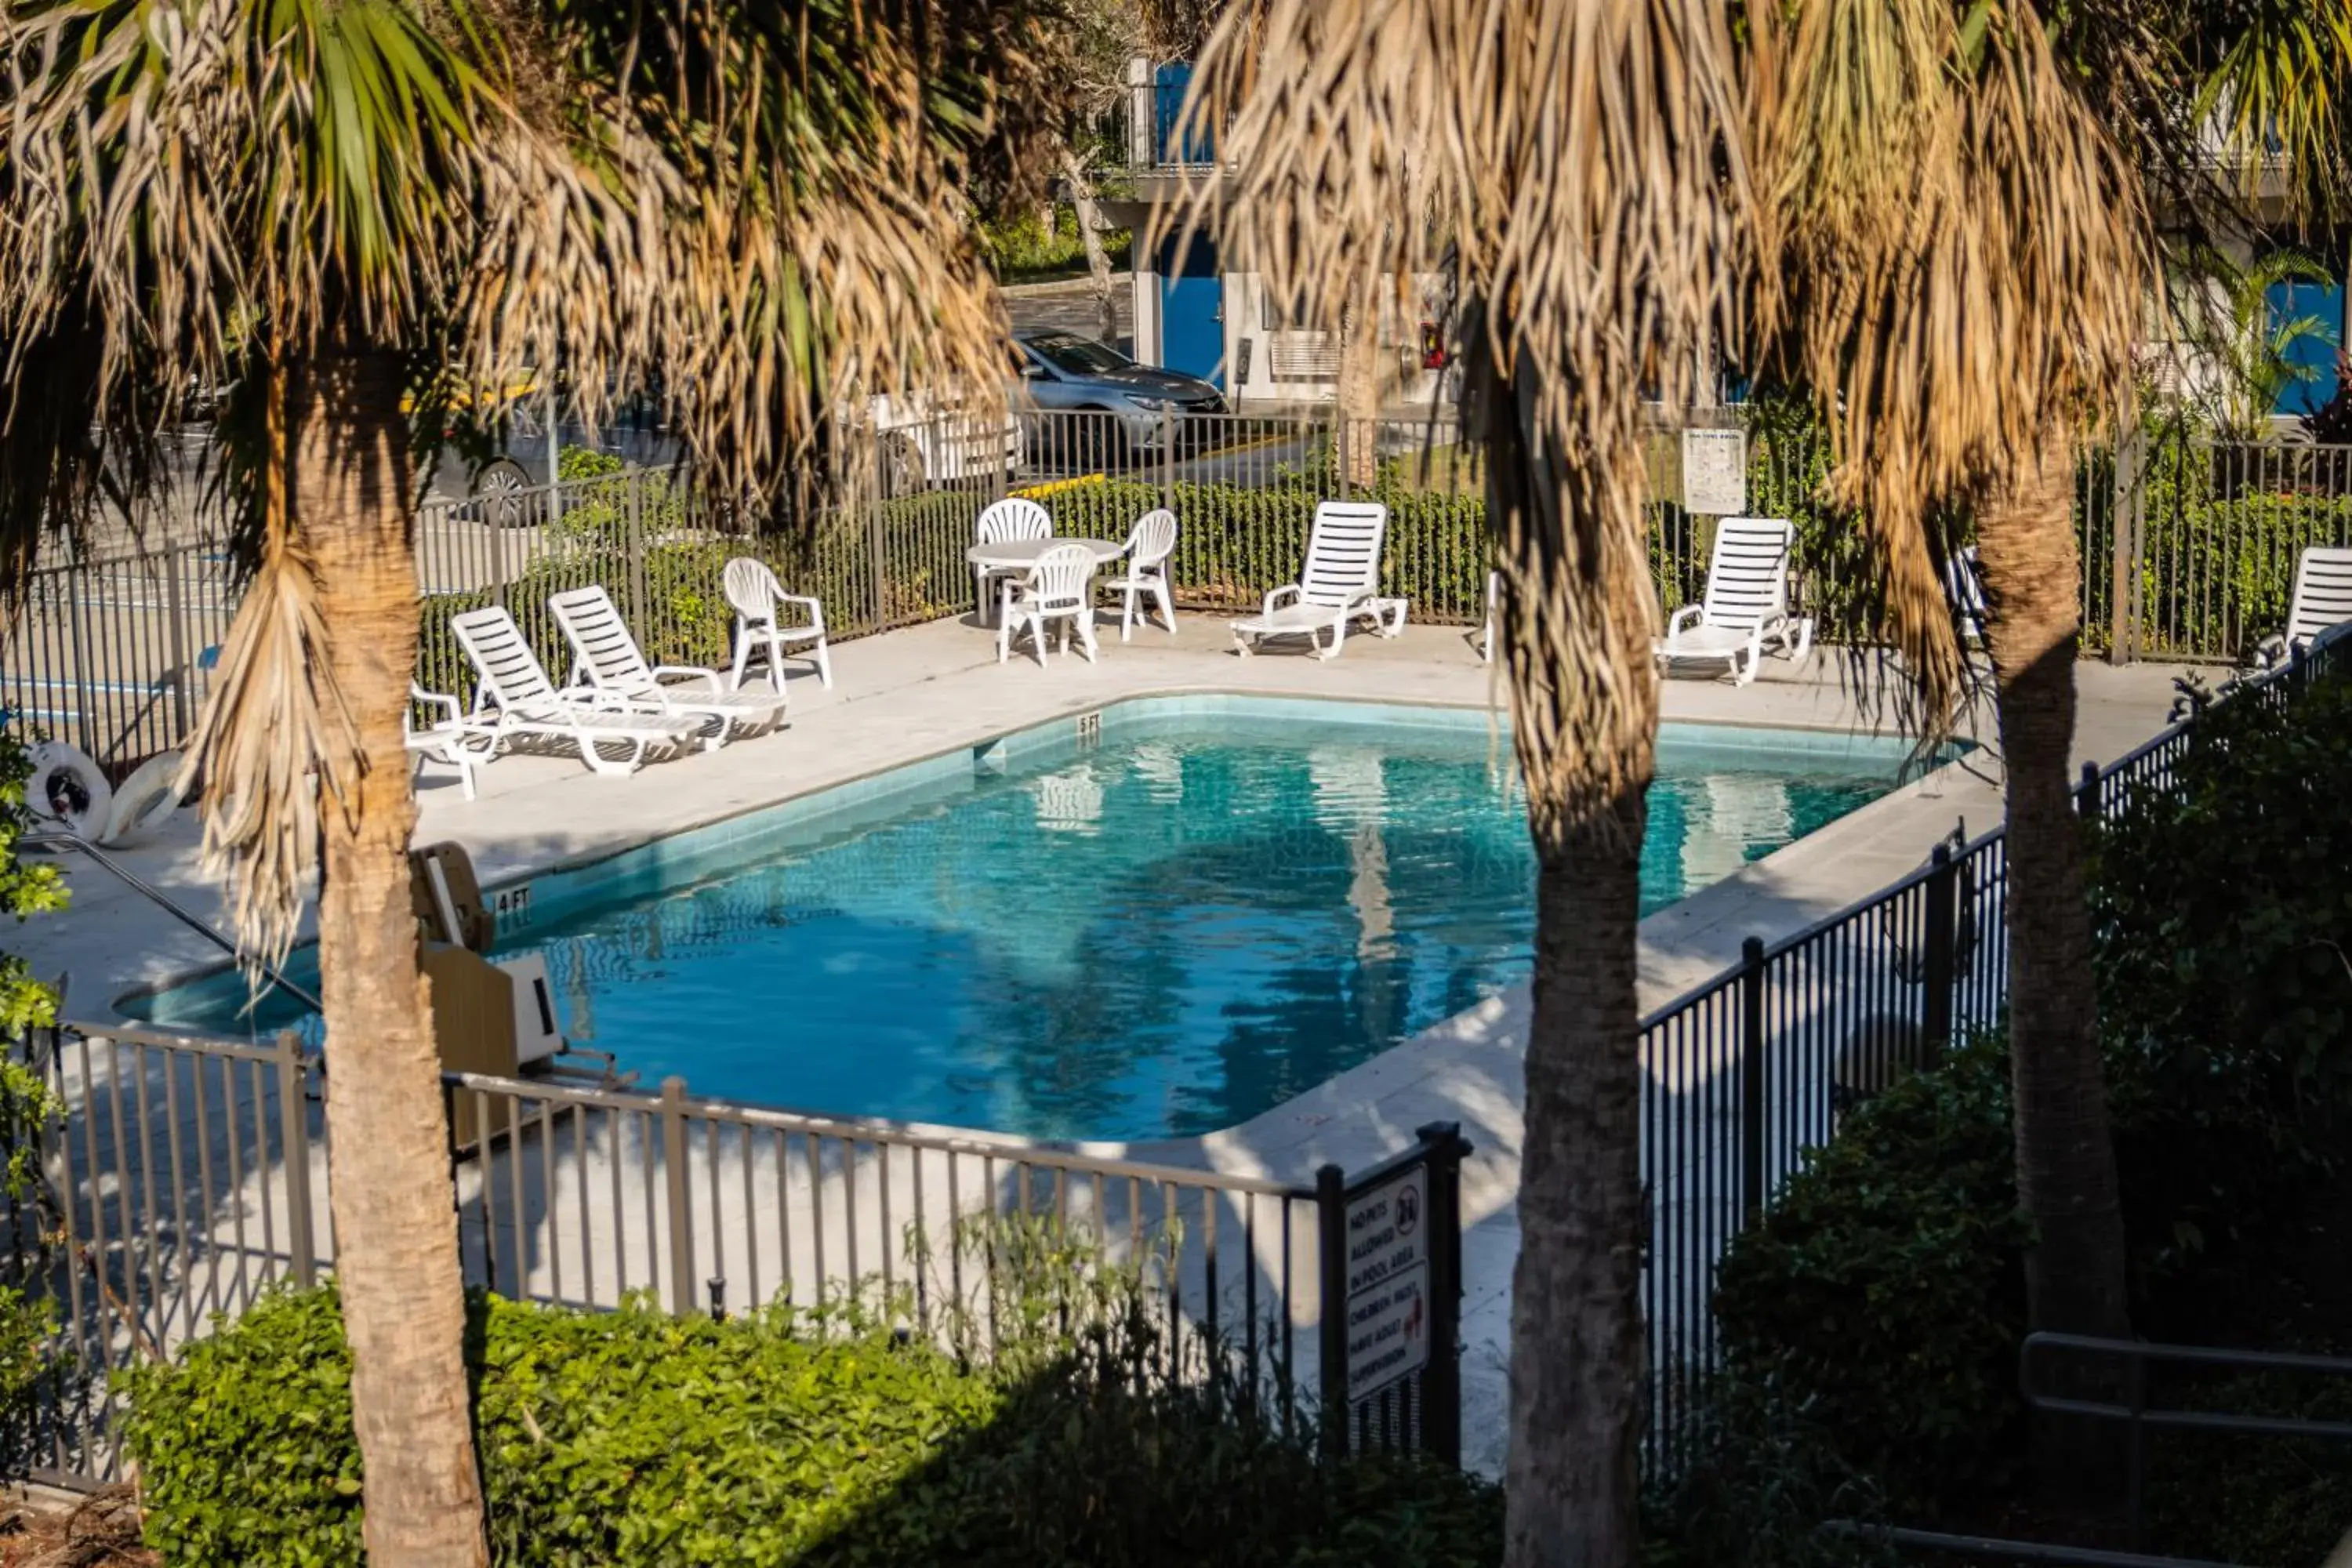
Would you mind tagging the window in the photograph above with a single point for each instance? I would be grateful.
(1074, 355)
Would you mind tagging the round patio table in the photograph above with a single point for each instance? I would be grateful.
(1019, 554)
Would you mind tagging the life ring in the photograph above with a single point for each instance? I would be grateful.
(67, 787)
(146, 800)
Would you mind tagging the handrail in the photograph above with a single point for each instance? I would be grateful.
(2138, 1418)
(56, 837)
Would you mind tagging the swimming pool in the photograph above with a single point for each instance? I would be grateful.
(1157, 920)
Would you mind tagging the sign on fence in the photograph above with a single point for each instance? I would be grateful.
(1715, 472)
(1388, 1282)
(1391, 1247)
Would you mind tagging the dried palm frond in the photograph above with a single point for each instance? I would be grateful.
(756, 205)
(1575, 165)
(1961, 250)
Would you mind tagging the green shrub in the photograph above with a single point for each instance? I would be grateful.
(2223, 922)
(1884, 1290)
(633, 1437)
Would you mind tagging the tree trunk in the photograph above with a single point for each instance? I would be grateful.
(2065, 1160)
(1575, 630)
(396, 1222)
(1090, 233)
(1360, 398)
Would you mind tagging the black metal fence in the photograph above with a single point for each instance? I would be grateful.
(185, 1176)
(1750, 1071)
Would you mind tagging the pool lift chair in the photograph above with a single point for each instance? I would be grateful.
(493, 1017)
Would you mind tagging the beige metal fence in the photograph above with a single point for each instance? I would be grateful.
(2189, 547)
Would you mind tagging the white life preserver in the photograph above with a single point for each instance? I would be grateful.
(146, 800)
(67, 787)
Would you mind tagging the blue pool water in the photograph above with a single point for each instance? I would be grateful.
(1216, 905)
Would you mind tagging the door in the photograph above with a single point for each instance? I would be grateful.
(2310, 318)
(1192, 312)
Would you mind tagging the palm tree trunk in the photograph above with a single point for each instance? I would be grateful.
(2065, 1158)
(1575, 630)
(395, 1224)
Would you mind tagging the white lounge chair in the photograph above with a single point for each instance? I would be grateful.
(760, 602)
(1054, 589)
(1340, 585)
(605, 656)
(2323, 598)
(1014, 517)
(1966, 590)
(454, 742)
(515, 700)
(1747, 603)
(1145, 576)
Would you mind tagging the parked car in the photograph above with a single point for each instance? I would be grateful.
(926, 441)
(1063, 370)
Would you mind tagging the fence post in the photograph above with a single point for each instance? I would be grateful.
(175, 610)
(2086, 792)
(1332, 1258)
(2130, 503)
(681, 1219)
(1169, 431)
(1942, 966)
(638, 602)
(1751, 1076)
(294, 1139)
(1441, 1384)
(868, 494)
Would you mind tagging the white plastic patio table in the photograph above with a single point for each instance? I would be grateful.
(1019, 554)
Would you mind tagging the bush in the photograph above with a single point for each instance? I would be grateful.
(1883, 1291)
(781, 1437)
(2223, 922)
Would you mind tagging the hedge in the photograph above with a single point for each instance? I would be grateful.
(633, 1437)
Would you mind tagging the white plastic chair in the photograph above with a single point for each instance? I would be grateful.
(2323, 598)
(606, 657)
(454, 742)
(760, 602)
(1148, 545)
(515, 700)
(1340, 583)
(1014, 517)
(1746, 602)
(1056, 588)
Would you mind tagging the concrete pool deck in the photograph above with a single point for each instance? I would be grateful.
(936, 688)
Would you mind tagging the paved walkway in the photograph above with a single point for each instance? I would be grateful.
(937, 689)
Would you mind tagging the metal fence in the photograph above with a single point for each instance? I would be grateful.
(1750, 1071)
(186, 1177)
(2188, 548)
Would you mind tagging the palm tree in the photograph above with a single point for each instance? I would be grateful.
(1989, 195)
(332, 204)
(1977, 254)
(1573, 152)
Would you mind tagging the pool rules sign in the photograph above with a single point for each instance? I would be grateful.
(1392, 1274)
(1388, 1283)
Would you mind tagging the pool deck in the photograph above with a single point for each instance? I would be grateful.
(937, 689)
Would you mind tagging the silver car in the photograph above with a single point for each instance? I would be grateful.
(1063, 373)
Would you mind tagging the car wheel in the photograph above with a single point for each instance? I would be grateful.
(1106, 442)
(500, 492)
(902, 465)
